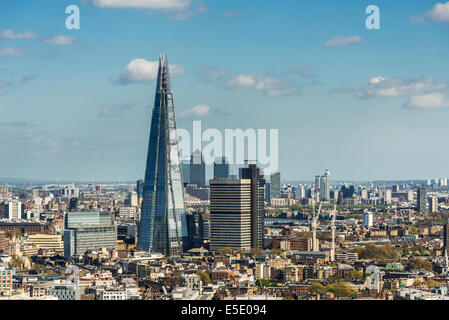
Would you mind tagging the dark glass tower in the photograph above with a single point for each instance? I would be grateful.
(257, 204)
(197, 169)
(163, 227)
(221, 168)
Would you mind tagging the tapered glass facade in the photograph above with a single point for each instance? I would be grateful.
(162, 226)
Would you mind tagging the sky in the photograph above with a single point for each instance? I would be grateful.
(365, 104)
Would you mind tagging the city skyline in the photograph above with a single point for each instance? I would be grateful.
(356, 96)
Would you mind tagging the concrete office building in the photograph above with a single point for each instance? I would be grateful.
(230, 214)
(85, 231)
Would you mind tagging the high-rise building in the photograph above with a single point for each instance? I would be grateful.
(197, 169)
(221, 168)
(433, 204)
(257, 204)
(268, 192)
(368, 219)
(14, 210)
(4, 192)
(73, 204)
(132, 199)
(325, 186)
(4, 242)
(185, 167)
(230, 214)
(196, 228)
(162, 225)
(422, 200)
(139, 188)
(275, 185)
(85, 231)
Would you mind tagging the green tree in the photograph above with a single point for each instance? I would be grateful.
(256, 252)
(316, 288)
(204, 276)
(263, 282)
(421, 264)
(226, 250)
(341, 289)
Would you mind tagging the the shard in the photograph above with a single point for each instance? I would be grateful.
(163, 227)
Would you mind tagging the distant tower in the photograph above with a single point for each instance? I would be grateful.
(275, 185)
(197, 169)
(221, 168)
(163, 226)
(422, 200)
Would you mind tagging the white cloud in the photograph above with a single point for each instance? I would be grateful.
(142, 70)
(200, 110)
(10, 35)
(430, 100)
(196, 9)
(269, 86)
(342, 41)
(143, 4)
(382, 87)
(439, 13)
(59, 40)
(11, 52)
(242, 81)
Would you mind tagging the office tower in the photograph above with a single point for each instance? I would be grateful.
(139, 188)
(433, 204)
(300, 192)
(195, 227)
(317, 182)
(4, 192)
(132, 199)
(348, 192)
(368, 219)
(14, 210)
(73, 204)
(268, 192)
(410, 196)
(257, 204)
(275, 185)
(387, 196)
(162, 225)
(221, 168)
(70, 191)
(422, 200)
(85, 231)
(324, 185)
(185, 167)
(197, 169)
(230, 214)
(34, 194)
(4, 242)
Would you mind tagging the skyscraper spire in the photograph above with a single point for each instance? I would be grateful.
(162, 225)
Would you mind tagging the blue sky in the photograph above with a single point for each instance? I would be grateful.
(365, 104)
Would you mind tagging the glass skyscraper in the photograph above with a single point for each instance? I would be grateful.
(163, 227)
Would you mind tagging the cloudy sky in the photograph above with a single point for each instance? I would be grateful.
(365, 104)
